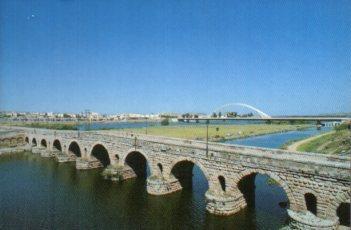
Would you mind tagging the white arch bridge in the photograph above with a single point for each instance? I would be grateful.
(260, 113)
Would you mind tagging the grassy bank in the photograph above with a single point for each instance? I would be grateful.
(45, 125)
(217, 132)
(335, 142)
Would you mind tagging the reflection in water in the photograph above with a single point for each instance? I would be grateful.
(41, 194)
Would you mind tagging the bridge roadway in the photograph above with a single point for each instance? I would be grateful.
(315, 182)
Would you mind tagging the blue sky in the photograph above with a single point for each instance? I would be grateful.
(284, 57)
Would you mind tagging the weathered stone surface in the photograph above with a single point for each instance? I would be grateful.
(45, 153)
(160, 186)
(82, 164)
(38, 150)
(307, 221)
(64, 158)
(224, 204)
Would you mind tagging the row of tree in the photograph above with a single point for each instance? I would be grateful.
(232, 114)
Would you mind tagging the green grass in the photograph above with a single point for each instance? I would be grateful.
(198, 132)
(338, 142)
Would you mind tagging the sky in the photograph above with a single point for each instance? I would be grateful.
(283, 57)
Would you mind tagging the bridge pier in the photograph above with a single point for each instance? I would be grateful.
(85, 163)
(45, 153)
(157, 185)
(306, 220)
(61, 157)
(37, 149)
(119, 172)
(224, 204)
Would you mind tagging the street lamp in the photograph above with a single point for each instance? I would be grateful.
(207, 122)
(78, 127)
(147, 124)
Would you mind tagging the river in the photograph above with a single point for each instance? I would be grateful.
(143, 124)
(38, 193)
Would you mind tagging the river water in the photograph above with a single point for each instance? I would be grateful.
(143, 124)
(38, 193)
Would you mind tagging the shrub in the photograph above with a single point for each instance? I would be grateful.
(165, 122)
(343, 126)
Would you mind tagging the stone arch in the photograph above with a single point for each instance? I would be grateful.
(6, 141)
(43, 143)
(311, 202)
(74, 148)
(13, 141)
(302, 199)
(135, 150)
(137, 154)
(222, 183)
(57, 145)
(282, 183)
(26, 140)
(160, 167)
(34, 142)
(343, 213)
(188, 164)
(116, 158)
(100, 152)
(177, 160)
(341, 197)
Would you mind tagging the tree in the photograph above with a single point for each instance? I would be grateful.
(232, 114)
(219, 114)
(196, 116)
(214, 115)
(165, 122)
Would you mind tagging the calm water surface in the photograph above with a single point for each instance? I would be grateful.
(143, 124)
(38, 193)
(276, 140)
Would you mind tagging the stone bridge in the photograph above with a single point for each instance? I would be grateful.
(316, 185)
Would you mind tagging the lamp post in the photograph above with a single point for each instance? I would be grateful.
(78, 128)
(207, 122)
(147, 124)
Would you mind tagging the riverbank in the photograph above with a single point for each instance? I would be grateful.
(293, 146)
(216, 132)
(337, 141)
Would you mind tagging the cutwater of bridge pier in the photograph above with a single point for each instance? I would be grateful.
(316, 185)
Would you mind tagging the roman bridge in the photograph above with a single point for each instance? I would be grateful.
(312, 182)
